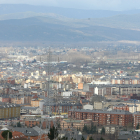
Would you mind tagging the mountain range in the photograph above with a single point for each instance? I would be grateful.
(38, 23)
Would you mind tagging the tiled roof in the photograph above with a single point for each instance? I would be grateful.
(102, 111)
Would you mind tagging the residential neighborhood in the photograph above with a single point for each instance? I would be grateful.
(39, 95)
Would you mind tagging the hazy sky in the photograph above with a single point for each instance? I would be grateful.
(82, 4)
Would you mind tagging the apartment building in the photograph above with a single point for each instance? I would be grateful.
(120, 89)
(98, 105)
(5, 98)
(121, 107)
(86, 87)
(65, 124)
(127, 90)
(20, 99)
(110, 89)
(131, 108)
(65, 107)
(125, 80)
(17, 101)
(74, 78)
(115, 117)
(35, 103)
(9, 111)
(61, 108)
(136, 119)
(30, 110)
(32, 123)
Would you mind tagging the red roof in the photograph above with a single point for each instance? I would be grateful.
(16, 135)
(35, 97)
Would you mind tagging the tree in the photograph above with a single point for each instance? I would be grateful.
(102, 138)
(82, 138)
(64, 138)
(59, 126)
(125, 129)
(91, 138)
(18, 124)
(53, 133)
(137, 127)
(103, 131)
(90, 130)
(5, 134)
(77, 129)
(93, 129)
(85, 128)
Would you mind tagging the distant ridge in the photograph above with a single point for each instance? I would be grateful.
(50, 29)
(39, 23)
(66, 12)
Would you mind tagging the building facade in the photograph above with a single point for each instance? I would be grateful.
(115, 117)
(9, 111)
(65, 124)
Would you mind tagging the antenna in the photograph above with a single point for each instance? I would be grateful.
(57, 120)
(40, 67)
(49, 111)
(73, 132)
(49, 67)
(41, 134)
(58, 89)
